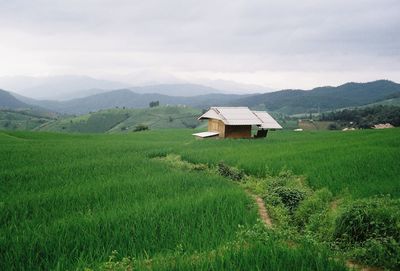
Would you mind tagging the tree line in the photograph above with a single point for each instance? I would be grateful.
(365, 117)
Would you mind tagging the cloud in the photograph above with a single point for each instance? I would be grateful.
(229, 39)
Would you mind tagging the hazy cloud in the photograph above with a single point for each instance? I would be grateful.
(275, 43)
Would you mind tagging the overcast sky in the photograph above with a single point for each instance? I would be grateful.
(279, 44)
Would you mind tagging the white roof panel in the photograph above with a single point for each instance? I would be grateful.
(268, 122)
(206, 134)
(210, 114)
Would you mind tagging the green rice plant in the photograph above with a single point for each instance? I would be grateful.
(67, 201)
(360, 162)
(318, 202)
(255, 249)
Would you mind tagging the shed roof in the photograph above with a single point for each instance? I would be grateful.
(268, 122)
(241, 116)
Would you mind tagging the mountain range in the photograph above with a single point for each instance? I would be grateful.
(68, 87)
(291, 101)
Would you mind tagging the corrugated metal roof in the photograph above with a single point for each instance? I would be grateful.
(206, 134)
(211, 114)
(241, 116)
(268, 122)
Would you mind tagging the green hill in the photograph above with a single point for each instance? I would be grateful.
(24, 119)
(128, 99)
(125, 120)
(291, 101)
(322, 98)
(9, 101)
(390, 102)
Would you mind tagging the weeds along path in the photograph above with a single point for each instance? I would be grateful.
(355, 266)
(176, 160)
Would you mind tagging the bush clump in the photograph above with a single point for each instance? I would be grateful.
(141, 127)
(230, 172)
(370, 230)
(382, 252)
(290, 197)
(314, 205)
(368, 218)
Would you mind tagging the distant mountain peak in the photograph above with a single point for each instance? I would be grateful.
(9, 101)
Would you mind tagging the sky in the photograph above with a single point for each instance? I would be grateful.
(277, 44)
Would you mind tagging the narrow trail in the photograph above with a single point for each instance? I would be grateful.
(262, 211)
(356, 266)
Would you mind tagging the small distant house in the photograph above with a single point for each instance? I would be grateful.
(382, 126)
(237, 122)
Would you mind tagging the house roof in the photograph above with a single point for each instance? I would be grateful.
(241, 116)
(268, 122)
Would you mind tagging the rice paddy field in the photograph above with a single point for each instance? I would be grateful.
(68, 201)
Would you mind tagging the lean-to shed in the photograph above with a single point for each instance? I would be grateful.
(236, 122)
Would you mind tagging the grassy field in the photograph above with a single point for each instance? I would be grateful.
(119, 120)
(68, 201)
(363, 163)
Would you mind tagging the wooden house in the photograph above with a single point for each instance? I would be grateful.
(237, 122)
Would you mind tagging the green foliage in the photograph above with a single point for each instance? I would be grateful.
(360, 162)
(290, 197)
(116, 264)
(369, 218)
(141, 127)
(177, 162)
(97, 193)
(122, 120)
(154, 103)
(366, 117)
(230, 172)
(370, 230)
(323, 98)
(382, 252)
(22, 119)
(313, 205)
(255, 249)
(286, 189)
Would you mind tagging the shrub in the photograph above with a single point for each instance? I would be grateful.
(313, 205)
(141, 127)
(370, 229)
(333, 126)
(291, 197)
(381, 252)
(368, 218)
(230, 172)
(115, 263)
(154, 103)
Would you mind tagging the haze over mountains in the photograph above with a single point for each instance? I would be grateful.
(285, 101)
(68, 87)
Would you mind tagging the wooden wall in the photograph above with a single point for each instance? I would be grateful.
(216, 126)
(229, 131)
(238, 131)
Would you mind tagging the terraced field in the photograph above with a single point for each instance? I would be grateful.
(68, 201)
